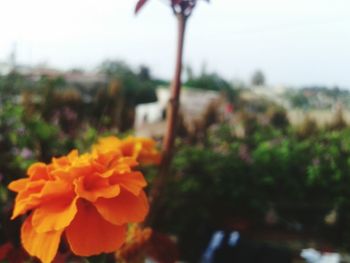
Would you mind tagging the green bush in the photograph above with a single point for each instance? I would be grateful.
(302, 178)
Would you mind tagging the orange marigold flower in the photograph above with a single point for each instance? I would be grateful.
(134, 249)
(142, 150)
(90, 198)
(146, 242)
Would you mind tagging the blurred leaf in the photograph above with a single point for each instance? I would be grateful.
(139, 5)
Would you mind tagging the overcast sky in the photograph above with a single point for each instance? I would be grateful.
(295, 42)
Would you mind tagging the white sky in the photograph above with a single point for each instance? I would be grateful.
(296, 42)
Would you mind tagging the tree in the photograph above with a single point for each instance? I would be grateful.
(212, 81)
(144, 73)
(258, 78)
(126, 90)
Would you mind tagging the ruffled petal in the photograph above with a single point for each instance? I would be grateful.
(38, 171)
(91, 188)
(40, 192)
(28, 198)
(125, 208)
(89, 234)
(54, 215)
(107, 144)
(151, 157)
(131, 147)
(142, 149)
(41, 245)
(18, 185)
(133, 182)
(55, 189)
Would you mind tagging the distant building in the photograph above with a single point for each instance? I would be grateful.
(193, 103)
(148, 113)
(83, 78)
(271, 93)
(37, 72)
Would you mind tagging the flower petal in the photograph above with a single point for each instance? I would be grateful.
(38, 171)
(89, 234)
(28, 198)
(18, 185)
(125, 208)
(39, 192)
(55, 189)
(91, 188)
(142, 149)
(41, 245)
(131, 147)
(54, 215)
(133, 182)
(107, 144)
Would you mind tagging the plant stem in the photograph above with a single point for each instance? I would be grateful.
(172, 119)
(174, 101)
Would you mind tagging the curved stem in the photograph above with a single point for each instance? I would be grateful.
(172, 119)
(173, 106)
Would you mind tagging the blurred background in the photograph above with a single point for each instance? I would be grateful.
(263, 143)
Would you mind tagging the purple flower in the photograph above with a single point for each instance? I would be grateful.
(26, 153)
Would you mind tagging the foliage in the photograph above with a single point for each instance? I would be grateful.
(126, 90)
(11, 85)
(212, 81)
(23, 139)
(299, 101)
(135, 87)
(302, 172)
(318, 97)
(303, 178)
